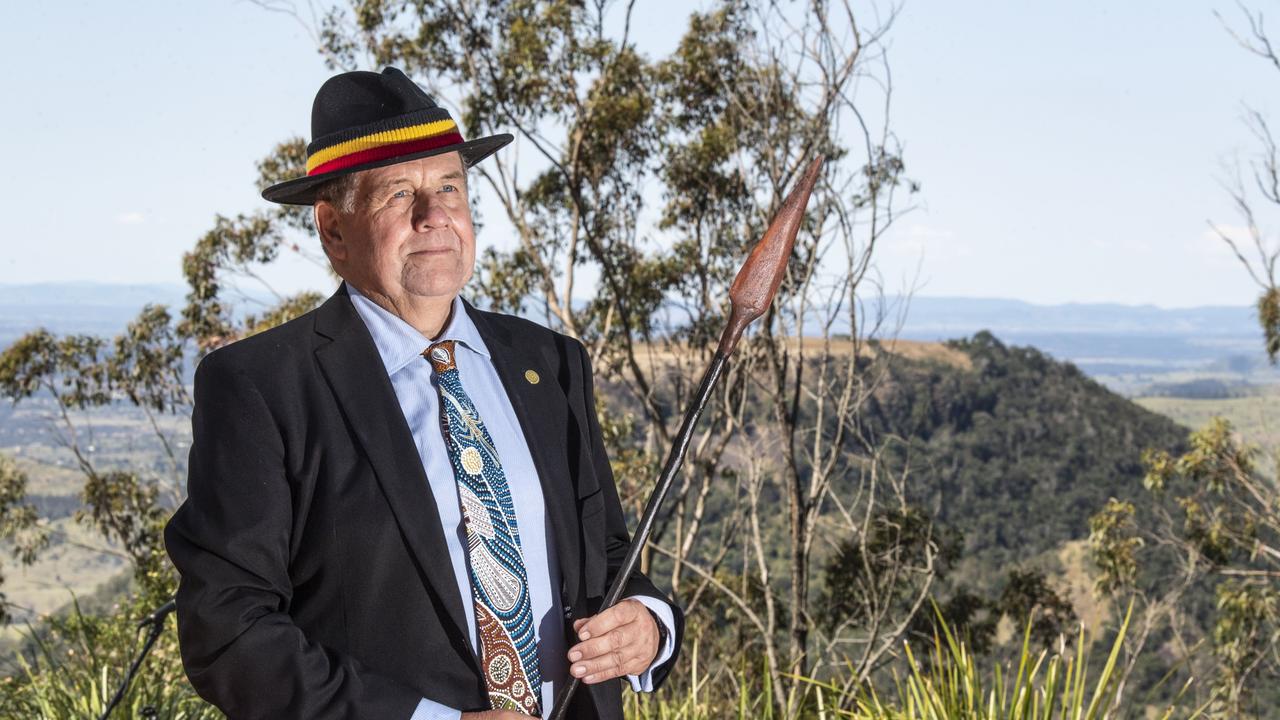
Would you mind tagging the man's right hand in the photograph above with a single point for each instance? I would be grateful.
(495, 715)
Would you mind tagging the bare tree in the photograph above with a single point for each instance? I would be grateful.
(1257, 179)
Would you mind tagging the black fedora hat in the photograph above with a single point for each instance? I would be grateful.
(363, 120)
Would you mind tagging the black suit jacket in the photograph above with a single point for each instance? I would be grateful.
(315, 581)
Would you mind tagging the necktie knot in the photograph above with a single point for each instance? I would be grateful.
(441, 356)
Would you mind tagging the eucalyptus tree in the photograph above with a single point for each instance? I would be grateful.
(635, 187)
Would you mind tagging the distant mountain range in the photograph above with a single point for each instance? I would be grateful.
(79, 307)
(105, 295)
(1106, 340)
(945, 316)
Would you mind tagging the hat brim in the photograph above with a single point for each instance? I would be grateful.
(302, 191)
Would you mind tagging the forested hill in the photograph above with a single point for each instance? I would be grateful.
(1012, 448)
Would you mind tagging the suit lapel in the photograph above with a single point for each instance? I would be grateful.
(543, 414)
(353, 368)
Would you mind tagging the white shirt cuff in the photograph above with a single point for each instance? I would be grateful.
(432, 710)
(644, 681)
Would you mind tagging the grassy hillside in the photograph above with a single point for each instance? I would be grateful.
(1255, 414)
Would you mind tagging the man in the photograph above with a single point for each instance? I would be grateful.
(396, 502)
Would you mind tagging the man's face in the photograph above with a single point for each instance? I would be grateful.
(410, 232)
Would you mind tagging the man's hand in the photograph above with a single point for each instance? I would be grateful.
(622, 640)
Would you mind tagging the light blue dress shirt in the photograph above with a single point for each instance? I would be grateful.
(401, 345)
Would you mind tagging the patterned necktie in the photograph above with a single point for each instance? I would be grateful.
(499, 585)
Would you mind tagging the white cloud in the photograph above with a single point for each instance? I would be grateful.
(1112, 240)
(1211, 247)
(132, 217)
(918, 240)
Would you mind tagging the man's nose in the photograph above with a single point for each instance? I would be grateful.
(429, 212)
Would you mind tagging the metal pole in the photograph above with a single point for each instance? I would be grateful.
(156, 621)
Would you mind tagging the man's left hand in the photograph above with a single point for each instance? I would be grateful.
(622, 640)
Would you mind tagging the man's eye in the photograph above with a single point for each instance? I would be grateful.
(400, 194)
(449, 188)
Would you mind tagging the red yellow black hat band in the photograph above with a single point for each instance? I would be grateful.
(383, 144)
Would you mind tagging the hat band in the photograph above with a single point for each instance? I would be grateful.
(382, 145)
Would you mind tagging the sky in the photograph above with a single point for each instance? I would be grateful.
(1067, 151)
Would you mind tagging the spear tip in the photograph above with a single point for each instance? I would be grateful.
(757, 282)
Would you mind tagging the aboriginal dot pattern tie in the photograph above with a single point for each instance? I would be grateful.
(499, 585)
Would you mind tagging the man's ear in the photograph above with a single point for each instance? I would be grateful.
(329, 228)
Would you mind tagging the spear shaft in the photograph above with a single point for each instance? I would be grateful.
(750, 295)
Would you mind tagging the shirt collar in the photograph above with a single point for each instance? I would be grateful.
(400, 343)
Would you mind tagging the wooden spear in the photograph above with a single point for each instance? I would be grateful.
(750, 295)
